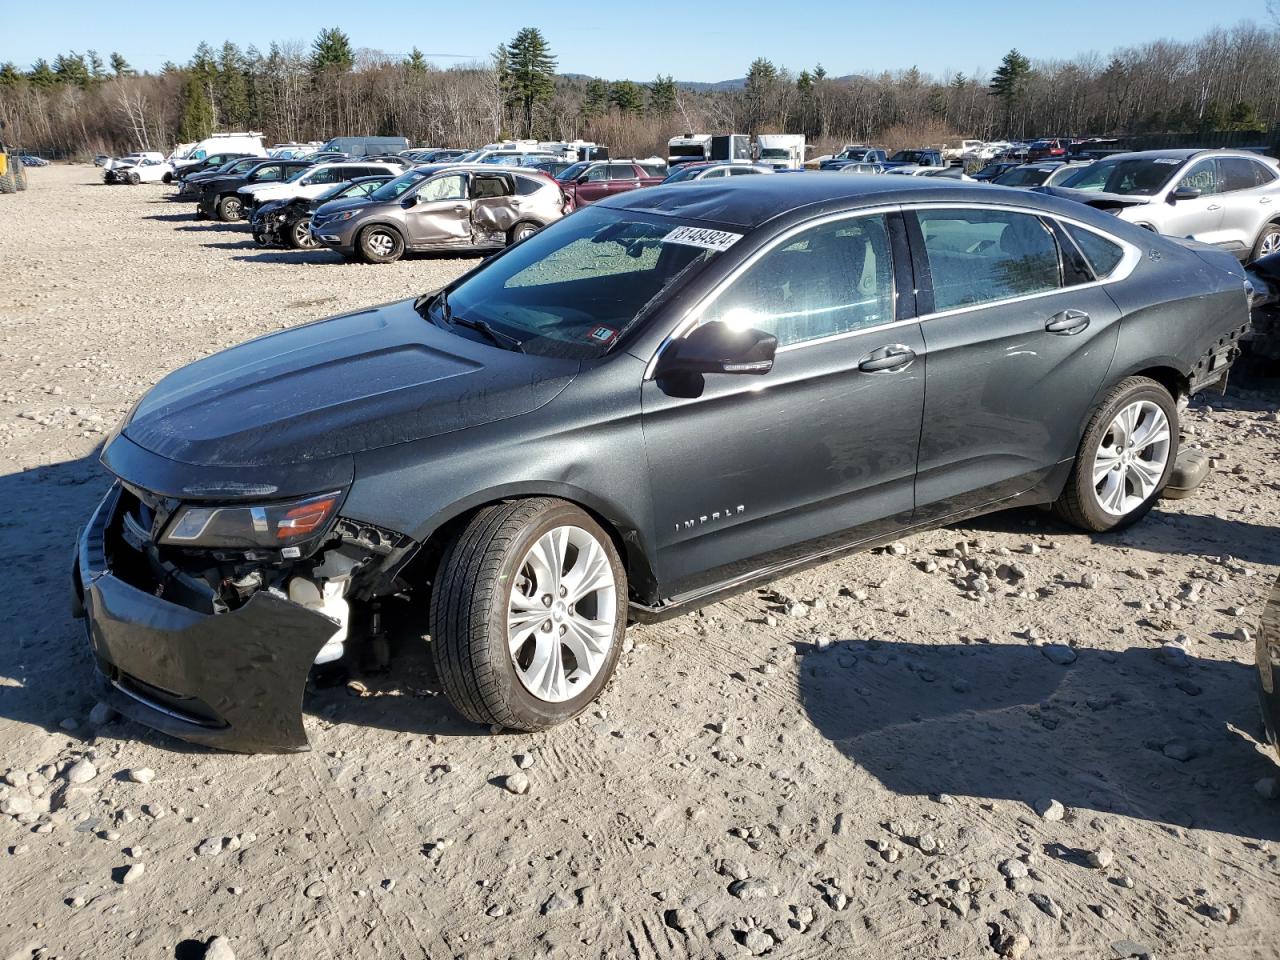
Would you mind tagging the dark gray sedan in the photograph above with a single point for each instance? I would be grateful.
(669, 396)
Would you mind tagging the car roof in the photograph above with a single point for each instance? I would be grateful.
(748, 202)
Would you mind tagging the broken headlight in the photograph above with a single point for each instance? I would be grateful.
(275, 525)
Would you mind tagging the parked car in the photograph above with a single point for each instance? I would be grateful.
(1267, 656)
(552, 168)
(1047, 149)
(28, 160)
(146, 169)
(312, 181)
(242, 144)
(288, 222)
(574, 435)
(993, 170)
(507, 158)
(131, 158)
(854, 155)
(478, 207)
(862, 168)
(365, 146)
(190, 185)
(588, 181)
(221, 199)
(916, 158)
(101, 160)
(946, 173)
(1042, 173)
(689, 172)
(1223, 197)
(214, 161)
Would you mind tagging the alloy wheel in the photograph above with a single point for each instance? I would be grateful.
(561, 614)
(302, 235)
(1270, 244)
(525, 230)
(1131, 459)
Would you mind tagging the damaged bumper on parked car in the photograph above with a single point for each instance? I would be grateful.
(214, 646)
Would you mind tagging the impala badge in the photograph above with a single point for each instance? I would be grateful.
(712, 517)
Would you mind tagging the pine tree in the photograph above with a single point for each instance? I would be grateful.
(595, 102)
(197, 111)
(662, 96)
(232, 87)
(627, 96)
(10, 76)
(41, 74)
(332, 49)
(530, 72)
(70, 69)
(97, 69)
(416, 61)
(120, 66)
(804, 83)
(762, 78)
(1009, 82)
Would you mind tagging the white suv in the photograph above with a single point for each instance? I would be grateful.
(1229, 198)
(315, 180)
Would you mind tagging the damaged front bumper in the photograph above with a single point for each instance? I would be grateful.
(232, 680)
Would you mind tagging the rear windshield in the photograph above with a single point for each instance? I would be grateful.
(1135, 176)
(686, 172)
(909, 156)
(1023, 177)
(574, 289)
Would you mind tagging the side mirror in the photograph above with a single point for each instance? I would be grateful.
(716, 347)
(1183, 193)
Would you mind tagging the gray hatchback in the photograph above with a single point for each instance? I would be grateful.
(441, 208)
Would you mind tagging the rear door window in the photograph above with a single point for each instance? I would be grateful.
(831, 279)
(622, 171)
(1240, 173)
(983, 256)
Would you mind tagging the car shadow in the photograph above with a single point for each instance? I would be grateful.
(1118, 732)
(276, 255)
(170, 217)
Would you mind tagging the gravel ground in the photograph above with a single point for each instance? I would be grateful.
(1010, 739)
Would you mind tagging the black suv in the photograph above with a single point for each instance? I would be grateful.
(218, 197)
(211, 162)
(672, 395)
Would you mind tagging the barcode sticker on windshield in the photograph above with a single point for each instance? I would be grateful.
(699, 237)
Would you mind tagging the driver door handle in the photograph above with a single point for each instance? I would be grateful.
(1264, 199)
(1068, 322)
(889, 359)
(1214, 206)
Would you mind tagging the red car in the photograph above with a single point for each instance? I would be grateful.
(1048, 149)
(591, 180)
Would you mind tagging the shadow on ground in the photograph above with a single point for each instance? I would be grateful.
(1125, 733)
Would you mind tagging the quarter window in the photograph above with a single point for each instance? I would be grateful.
(981, 256)
(1103, 255)
(1240, 173)
(831, 279)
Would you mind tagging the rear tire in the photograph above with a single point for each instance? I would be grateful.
(20, 177)
(1120, 470)
(8, 183)
(521, 231)
(379, 244)
(1268, 242)
(496, 639)
(229, 209)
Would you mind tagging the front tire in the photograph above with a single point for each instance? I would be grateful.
(1125, 458)
(299, 235)
(230, 209)
(1268, 242)
(380, 245)
(527, 614)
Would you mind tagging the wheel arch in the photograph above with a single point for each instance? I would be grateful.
(436, 533)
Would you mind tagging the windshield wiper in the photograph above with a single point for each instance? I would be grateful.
(496, 336)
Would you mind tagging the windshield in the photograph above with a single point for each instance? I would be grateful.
(575, 171)
(1136, 176)
(685, 173)
(908, 156)
(773, 153)
(573, 289)
(852, 155)
(392, 189)
(1022, 177)
(471, 157)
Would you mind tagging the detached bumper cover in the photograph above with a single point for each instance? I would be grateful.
(1268, 658)
(233, 680)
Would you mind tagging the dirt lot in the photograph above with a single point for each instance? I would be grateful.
(858, 762)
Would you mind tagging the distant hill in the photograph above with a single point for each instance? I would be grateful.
(737, 84)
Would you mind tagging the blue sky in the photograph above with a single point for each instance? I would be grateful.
(705, 41)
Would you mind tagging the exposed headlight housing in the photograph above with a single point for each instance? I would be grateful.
(273, 526)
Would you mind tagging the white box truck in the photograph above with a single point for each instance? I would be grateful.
(782, 151)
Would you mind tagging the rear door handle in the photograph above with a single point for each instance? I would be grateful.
(1214, 206)
(889, 359)
(1068, 322)
(1264, 199)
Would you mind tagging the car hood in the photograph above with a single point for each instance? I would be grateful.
(334, 207)
(1093, 198)
(339, 386)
